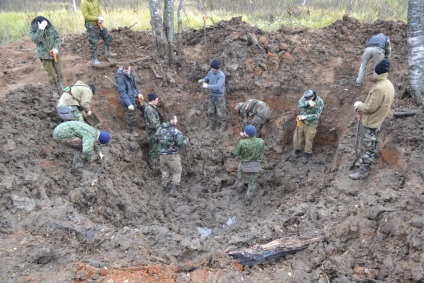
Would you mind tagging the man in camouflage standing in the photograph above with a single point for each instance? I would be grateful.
(251, 150)
(47, 42)
(256, 108)
(151, 117)
(94, 24)
(170, 140)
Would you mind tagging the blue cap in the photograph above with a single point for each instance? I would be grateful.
(104, 137)
(250, 130)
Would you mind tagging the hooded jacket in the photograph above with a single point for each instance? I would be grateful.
(127, 88)
(79, 95)
(45, 40)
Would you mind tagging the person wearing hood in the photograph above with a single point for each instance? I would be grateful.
(170, 140)
(76, 99)
(47, 42)
(374, 112)
(130, 96)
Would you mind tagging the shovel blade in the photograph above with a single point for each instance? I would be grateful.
(92, 120)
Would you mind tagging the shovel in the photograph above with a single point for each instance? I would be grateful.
(358, 153)
(92, 120)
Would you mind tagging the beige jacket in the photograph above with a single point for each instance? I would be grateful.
(80, 95)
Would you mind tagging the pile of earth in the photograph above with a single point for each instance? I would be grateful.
(112, 222)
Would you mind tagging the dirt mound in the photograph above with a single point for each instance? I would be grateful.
(112, 221)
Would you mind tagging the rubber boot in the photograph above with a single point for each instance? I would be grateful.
(250, 193)
(53, 90)
(152, 163)
(174, 190)
(296, 153)
(361, 174)
(131, 131)
(211, 125)
(223, 124)
(306, 158)
(60, 85)
(94, 58)
(108, 51)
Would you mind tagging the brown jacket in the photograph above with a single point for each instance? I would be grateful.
(378, 102)
(80, 96)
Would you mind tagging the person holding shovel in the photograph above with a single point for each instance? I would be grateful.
(47, 42)
(311, 106)
(256, 108)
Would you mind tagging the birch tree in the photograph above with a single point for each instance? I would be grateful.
(416, 49)
(163, 31)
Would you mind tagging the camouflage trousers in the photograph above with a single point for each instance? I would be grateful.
(306, 132)
(369, 141)
(170, 163)
(153, 146)
(260, 119)
(252, 177)
(50, 67)
(75, 110)
(94, 34)
(217, 108)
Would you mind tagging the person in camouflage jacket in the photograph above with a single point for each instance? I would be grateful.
(250, 150)
(170, 140)
(256, 108)
(78, 98)
(47, 40)
(152, 120)
(311, 106)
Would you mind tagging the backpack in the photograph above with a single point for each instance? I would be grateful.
(65, 112)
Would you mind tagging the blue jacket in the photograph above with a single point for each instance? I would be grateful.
(216, 83)
(127, 88)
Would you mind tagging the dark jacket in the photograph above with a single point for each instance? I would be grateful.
(127, 88)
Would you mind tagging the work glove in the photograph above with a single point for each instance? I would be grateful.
(200, 81)
(55, 51)
(89, 113)
(302, 117)
(311, 103)
(140, 96)
(205, 85)
(101, 156)
(100, 19)
(131, 107)
(356, 105)
(42, 25)
(186, 141)
(242, 134)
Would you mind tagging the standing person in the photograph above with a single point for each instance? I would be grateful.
(47, 42)
(89, 136)
(76, 101)
(311, 106)
(151, 117)
(94, 24)
(374, 111)
(251, 150)
(170, 140)
(377, 48)
(256, 108)
(214, 82)
(129, 95)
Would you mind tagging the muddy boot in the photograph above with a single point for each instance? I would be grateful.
(361, 174)
(53, 90)
(296, 153)
(250, 193)
(152, 163)
(175, 190)
(94, 58)
(166, 186)
(60, 86)
(108, 51)
(131, 132)
(211, 125)
(76, 161)
(222, 128)
(306, 158)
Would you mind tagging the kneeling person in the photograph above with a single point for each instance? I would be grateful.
(74, 104)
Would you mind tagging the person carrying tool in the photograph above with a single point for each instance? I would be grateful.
(130, 96)
(47, 42)
(377, 48)
(170, 140)
(74, 104)
(311, 106)
(256, 108)
(151, 117)
(374, 111)
(88, 137)
(94, 24)
(250, 149)
(214, 82)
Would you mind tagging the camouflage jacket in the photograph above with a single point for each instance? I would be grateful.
(169, 139)
(254, 107)
(75, 129)
(45, 40)
(90, 10)
(312, 113)
(151, 116)
(250, 149)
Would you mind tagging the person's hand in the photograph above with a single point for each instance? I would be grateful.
(200, 81)
(186, 141)
(100, 19)
(140, 96)
(205, 85)
(42, 25)
(131, 107)
(302, 117)
(311, 103)
(89, 113)
(101, 156)
(356, 105)
(242, 134)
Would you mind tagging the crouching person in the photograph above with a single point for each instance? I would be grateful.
(250, 150)
(87, 138)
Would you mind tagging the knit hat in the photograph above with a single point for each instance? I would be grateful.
(382, 67)
(93, 88)
(152, 96)
(308, 93)
(104, 137)
(215, 64)
(250, 130)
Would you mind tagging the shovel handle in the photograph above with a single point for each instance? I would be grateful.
(297, 121)
(100, 24)
(54, 55)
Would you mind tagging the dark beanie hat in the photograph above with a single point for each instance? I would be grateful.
(104, 137)
(382, 67)
(215, 64)
(250, 130)
(93, 88)
(152, 96)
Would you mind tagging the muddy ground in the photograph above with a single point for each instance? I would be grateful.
(57, 225)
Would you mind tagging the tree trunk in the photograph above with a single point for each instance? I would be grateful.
(179, 18)
(75, 6)
(168, 24)
(159, 38)
(415, 48)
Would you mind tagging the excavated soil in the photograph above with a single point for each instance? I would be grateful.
(113, 223)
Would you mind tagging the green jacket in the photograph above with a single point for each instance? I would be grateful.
(45, 40)
(75, 129)
(378, 102)
(169, 139)
(152, 119)
(90, 10)
(312, 113)
(79, 95)
(250, 149)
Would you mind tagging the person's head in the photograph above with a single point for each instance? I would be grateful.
(215, 64)
(250, 130)
(309, 94)
(238, 106)
(37, 20)
(93, 88)
(153, 98)
(172, 118)
(382, 67)
(104, 137)
(126, 68)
